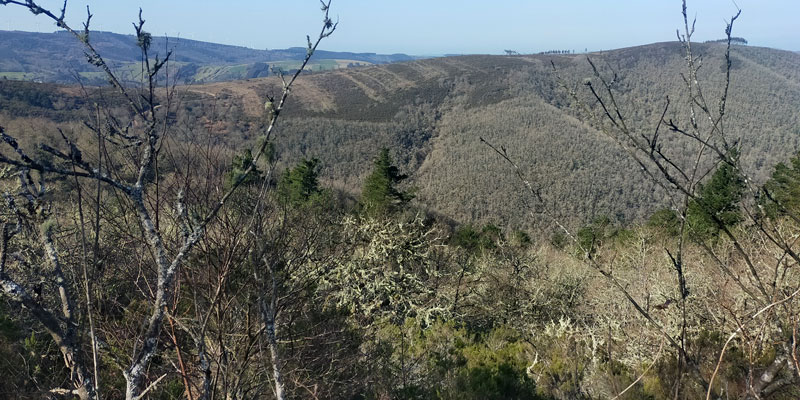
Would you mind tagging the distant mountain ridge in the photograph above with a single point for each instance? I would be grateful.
(56, 57)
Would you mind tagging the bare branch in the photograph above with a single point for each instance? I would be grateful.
(737, 331)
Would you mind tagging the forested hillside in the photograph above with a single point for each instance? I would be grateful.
(431, 114)
(616, 225)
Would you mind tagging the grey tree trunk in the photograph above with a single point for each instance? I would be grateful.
(280, 392)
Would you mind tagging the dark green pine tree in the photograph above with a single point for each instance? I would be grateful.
(300, 185)
(380, 194)
(782, 191)
(717, 203)
(239, 165)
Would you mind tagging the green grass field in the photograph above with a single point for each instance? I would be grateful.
(318, 65)
(18, 76)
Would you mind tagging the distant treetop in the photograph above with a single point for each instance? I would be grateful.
(734, 40)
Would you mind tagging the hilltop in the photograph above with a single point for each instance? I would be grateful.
(56, 57)
(431, 114)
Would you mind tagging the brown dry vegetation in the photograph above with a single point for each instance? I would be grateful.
(408, 304)
(431, 113)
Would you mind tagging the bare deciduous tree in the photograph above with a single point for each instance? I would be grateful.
(140, 138)
(759, 255)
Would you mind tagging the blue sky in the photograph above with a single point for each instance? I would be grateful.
(429, 27)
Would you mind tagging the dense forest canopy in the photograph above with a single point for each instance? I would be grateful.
(617, 225)
(431, 113)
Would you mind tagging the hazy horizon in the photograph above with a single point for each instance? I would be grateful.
(445, 27)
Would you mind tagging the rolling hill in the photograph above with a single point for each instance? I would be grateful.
(431, 114)
(56, 57)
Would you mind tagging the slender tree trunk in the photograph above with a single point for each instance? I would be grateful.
(269, 314)
(280, 391)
